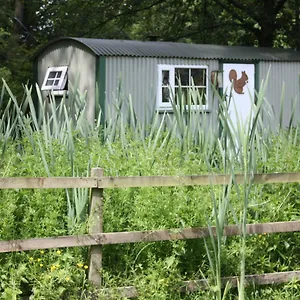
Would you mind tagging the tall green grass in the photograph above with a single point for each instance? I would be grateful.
(221, 147)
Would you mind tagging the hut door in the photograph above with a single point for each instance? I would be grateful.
(238, 84)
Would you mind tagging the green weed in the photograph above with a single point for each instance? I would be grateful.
(55, 140)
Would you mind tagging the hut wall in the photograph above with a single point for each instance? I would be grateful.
(81, 68)
(137, 77)
(282, 82)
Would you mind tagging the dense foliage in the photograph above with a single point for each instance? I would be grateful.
(54, 144)
(25, 26)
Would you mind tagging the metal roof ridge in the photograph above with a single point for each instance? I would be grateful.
(135, 48)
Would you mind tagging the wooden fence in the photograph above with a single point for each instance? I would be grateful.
(97, 238)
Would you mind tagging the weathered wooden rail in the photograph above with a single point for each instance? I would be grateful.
(139, 181)
(97, 238)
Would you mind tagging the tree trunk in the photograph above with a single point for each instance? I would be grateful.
(19, 17)
(266, 35)
(297, 24)
(267, 24)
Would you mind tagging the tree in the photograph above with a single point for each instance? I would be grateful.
(26, 25)
(262, 19)
(19, 17)
(15, 46)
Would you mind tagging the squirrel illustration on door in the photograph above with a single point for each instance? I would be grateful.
(238, 84)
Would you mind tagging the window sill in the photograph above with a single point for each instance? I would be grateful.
(163, 110)
(59, 93)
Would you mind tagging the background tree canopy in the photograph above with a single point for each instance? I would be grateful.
(27, 25)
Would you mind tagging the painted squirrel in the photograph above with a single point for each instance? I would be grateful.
(238, 84)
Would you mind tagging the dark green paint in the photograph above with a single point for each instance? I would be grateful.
(101, 87)
(220, 91)
(35, 81)
(256, 79)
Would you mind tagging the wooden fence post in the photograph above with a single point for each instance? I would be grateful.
(96, 226)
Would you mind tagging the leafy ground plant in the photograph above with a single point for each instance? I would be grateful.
(53, 143)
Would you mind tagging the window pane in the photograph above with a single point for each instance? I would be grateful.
(181, 96)
(182, 76)
(165, 77)
(58, 75)
(52, 75)
(165, 95)
(49, 82)
(198, 96)
(56, 82)
(199, 76)
(186, 96)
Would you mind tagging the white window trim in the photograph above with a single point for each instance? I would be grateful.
(60, 93)
(167, 106)
(62, 80)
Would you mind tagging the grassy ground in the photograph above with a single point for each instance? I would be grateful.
(55, 145)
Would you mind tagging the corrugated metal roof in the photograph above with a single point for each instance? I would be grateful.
(102, 47)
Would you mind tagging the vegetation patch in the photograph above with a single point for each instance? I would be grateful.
(59, 142)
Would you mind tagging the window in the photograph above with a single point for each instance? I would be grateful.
(55, 79)
(185, 84)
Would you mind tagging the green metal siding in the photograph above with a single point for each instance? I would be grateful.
(101, 86)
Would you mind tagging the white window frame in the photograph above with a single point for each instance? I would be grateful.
(171, 68)
(62, 80)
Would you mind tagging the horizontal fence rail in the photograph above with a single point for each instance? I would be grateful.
(260, 279)
(142, 181)
(168, 181)
(196, 285)
(48, 182)
(111, 238)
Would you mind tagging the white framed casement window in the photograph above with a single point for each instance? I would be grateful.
(55, 79)
(183, 84)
